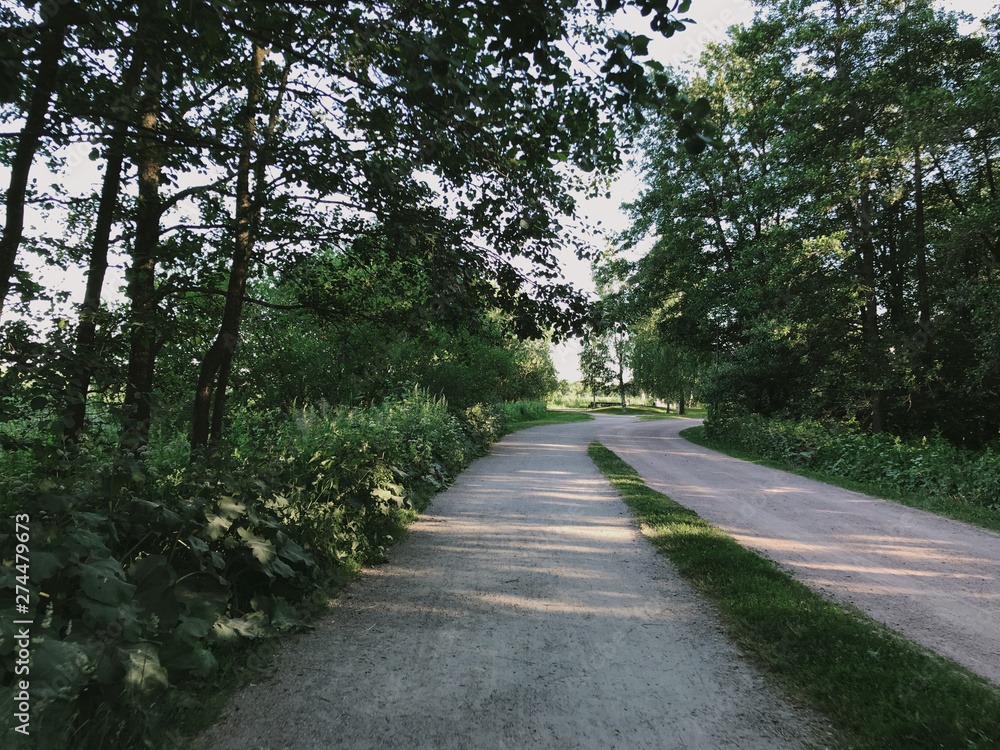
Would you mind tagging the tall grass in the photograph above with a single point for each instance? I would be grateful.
(524, 411)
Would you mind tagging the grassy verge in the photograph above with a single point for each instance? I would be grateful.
(551, 417)
(878, 689)
(651, 412)
(691, 412)
(976, 515)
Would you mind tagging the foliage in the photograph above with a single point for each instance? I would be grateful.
(484, 424)
(830, 254)
(312, 203)
(570, 395)
(931, 466)
(606, 354)
(142, 572)
(401, 164)
(524, 411)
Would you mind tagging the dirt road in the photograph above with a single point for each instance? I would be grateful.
(524, 611)
(934, 580)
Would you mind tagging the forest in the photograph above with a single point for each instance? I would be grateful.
(273, 274)
(270, 276)
(835, 257)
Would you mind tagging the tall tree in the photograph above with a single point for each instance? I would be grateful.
(49, 38)
(817, 249)
(444, 125)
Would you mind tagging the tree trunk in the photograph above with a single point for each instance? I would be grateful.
(870, 322)
(863, 236)
(680, 404)
(85, 355)
(923, 297)
(215, 369)
(24, 153)
(620, 355)
(144, 313)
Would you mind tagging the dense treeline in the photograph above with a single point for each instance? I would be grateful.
(836, 259)
(327, 216)
(393, 165)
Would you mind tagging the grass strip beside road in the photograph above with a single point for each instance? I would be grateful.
(651, 412)
(956, 509)
(878, 689)
(551, 417)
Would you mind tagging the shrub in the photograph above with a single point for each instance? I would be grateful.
(484, 424)
(351, 474)
(524, 411)
(144, 568)
(931, 466)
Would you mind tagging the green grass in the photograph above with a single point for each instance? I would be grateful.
(652, 412)
(551, 417)
(976, 515)
(690, 412)
(877, 689)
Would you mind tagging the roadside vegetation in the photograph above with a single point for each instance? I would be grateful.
(834, 297)
(164, 585)
(315, 247)
(877, 689)
(583, 395)
(519, 418)
(929, 474)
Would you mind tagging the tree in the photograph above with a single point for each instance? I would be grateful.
(663, 370)
(252, 136)
(816, 249)
(605, 357)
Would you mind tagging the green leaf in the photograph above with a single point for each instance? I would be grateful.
(192, 629)
(254, 625)
(155, 578)
(104, 581)
(285, 615)
(701, 108)
(202, 595)
(217, 525)
(261, 548)
(44, 565)
(197, 544)
(189, 657)
(61, 667)
(291, 551)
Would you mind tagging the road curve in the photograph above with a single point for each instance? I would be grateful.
(523, 611)
(934, 580)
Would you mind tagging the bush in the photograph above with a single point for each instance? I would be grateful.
(524, 411)
(932, 466)
(143, 569)
(484, 424)
(351, 474)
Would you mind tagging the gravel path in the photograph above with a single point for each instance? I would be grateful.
(523, 611)
(934, 580)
